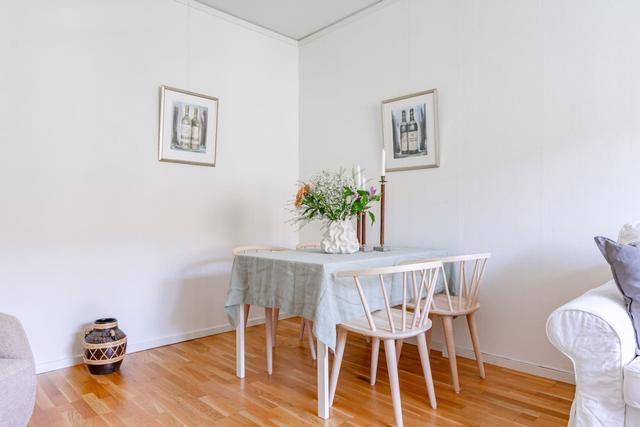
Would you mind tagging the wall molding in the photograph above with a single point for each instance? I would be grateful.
(229, 17)
(134, 347)
(492, 359)
(209, 10)
(355, 16)
(515, 364)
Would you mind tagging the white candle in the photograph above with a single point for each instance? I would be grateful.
(384, 163)
(358, 177)
(364, 182)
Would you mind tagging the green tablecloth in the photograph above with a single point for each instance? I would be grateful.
(303, 283)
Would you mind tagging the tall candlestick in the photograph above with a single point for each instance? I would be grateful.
(359, 228)
(382, 200)
(363, 234)
(382, 247)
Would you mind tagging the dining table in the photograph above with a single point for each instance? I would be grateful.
(304, 283)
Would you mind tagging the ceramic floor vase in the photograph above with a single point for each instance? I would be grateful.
(104, 346)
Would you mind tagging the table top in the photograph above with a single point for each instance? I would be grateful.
(316, 256)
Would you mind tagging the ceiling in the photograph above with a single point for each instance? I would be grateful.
(296, 19)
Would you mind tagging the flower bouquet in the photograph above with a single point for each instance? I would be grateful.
(336, 199)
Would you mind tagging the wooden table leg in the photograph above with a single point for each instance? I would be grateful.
(240, 342)
(323, 380)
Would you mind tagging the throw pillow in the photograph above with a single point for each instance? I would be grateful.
(625, 266)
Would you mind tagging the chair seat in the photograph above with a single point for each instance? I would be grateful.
(380, 319)
(441, 307)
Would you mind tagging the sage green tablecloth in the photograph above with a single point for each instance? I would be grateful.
(303, 283)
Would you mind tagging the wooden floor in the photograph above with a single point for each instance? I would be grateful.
(194, 383)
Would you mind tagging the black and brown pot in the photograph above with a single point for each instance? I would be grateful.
(104, 346)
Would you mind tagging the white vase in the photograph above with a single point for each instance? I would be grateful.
(340, 238)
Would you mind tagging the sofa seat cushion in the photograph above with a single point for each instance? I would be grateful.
(632, 383)
(17, 391)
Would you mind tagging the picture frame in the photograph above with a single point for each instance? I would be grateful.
(188, 127)
(410, 131)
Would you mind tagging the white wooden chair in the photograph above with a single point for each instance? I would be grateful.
(306, 323)
(465, 302)
(391, 324)
(310, 245)
(271, 314)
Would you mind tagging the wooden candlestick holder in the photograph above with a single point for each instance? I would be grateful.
(382, 247)
(363, 233)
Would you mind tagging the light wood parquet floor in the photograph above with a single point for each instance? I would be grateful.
(193, 383)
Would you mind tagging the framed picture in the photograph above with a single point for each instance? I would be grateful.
(188, 127)
(410, 131)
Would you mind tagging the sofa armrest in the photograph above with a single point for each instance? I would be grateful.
(596, 333)
(13, 340)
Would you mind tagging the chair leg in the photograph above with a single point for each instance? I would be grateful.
(274, 329)
(473, 330)
(268, 322)
(447, 327)
(302, 325)
(430, 333)
(394, 382)
(246, 314)
(375, 350)
(337, 362)
(426, 368)
(398, 350)
(312, 346)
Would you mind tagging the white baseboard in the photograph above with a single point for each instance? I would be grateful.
(133, 347)
(516, 365)
(493, 359)
(52, 365)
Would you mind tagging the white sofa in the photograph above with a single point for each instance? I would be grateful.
(595, 332)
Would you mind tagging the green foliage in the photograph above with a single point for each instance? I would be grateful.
(334, 197)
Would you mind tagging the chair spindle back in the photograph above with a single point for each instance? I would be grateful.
(424, 276)
(240, 250)
(468, 291)
(310, 245)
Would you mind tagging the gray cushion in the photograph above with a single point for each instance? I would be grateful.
(17, 392)
(17, 374)
(11, 367)
(625, 266)
(13, 340)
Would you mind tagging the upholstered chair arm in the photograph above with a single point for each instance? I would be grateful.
(13, 340)
(596, 333)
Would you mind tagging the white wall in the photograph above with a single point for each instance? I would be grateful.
(91, 224)
(539, 105)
